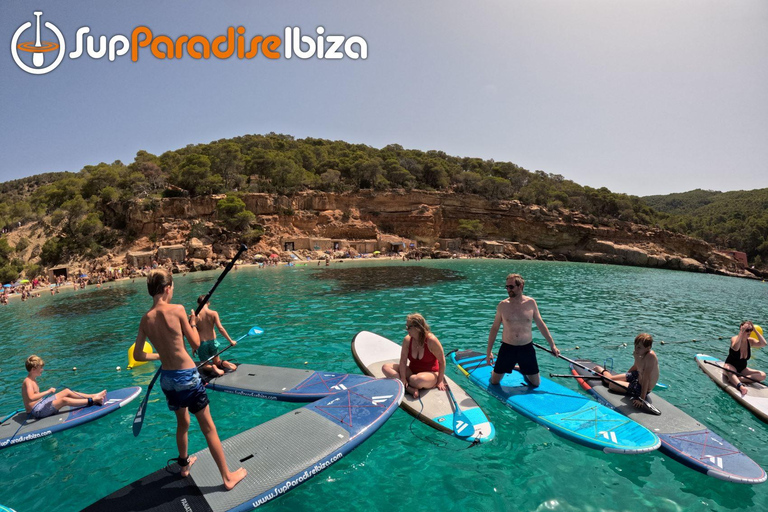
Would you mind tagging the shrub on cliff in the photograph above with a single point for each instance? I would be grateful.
(51, 252)
(233, 215)
(470, 228)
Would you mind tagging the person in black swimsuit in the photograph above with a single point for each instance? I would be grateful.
(739, 353)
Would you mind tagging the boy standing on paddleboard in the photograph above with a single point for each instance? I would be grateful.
(641, 378)
(209, 346)
(517, 313)
(166, 325)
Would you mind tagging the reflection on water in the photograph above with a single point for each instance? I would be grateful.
(91, 302)
(364, 279)
(202, 280)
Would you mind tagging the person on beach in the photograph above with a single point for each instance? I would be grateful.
(641, 378)
(166, 325)
(42, 404)
(206, 321)
(517, 313)
(422, 360)
(739, 353)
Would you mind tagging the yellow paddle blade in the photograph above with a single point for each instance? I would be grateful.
(132, 363)
(753, 334)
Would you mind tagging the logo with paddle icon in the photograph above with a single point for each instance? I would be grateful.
(38, 48)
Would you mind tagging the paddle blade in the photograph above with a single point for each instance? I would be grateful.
(650, 407)
(462, 426)
(255, 331)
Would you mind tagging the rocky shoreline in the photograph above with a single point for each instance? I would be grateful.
(425, 224)
(524, 231)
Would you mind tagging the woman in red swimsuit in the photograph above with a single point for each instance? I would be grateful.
(422, 361)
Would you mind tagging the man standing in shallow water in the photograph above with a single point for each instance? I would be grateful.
(516, 313)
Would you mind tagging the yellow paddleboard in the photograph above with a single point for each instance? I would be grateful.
(132, 363)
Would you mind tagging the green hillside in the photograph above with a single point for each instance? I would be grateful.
(737, 219)
(83, 213)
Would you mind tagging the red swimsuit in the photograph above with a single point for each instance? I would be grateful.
(428, 363)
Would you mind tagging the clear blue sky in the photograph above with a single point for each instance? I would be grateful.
(643, 97)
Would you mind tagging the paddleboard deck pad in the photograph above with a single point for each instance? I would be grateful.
(433, 406)
(561, 410)
(21, 427)
(756, 399)
(682, 437)
(284, 384)
(279, 455)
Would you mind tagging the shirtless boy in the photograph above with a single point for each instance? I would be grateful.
(166, 325)
(641, 378)
(206, 321)
(517, 313)
(38, 405)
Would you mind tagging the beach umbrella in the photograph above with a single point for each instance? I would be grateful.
(376, 252)
(83, 275)
(274, 256)
(7, 286)
(24, 281)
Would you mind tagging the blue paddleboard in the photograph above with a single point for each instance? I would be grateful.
(278, 455)
(20, 426)
(564, 412)
(284, 384)
(682, 437)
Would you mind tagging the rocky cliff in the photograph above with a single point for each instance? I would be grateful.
(525, 231)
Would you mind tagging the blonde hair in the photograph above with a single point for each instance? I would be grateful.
(418, 321)
(157, 280)
(644, 339)
(34, 362)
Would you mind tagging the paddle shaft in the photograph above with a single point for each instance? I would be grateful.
(735, 373)
(650, 407)
(658, 385)
(217, 354)
(229, 266)
(588, 377)
(580, 365)
(14, 413)
(138, 421)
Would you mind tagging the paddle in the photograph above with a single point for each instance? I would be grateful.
(253, 332)
(462, 426)
(138, 421)
(658, 385)
(735, 373)
(460, 420)
(651, 408)
(14, 413)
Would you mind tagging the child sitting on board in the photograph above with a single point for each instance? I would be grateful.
(38, 405)
(209, 346)
(641, 378)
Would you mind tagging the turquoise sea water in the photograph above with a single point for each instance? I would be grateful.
(310, 314)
